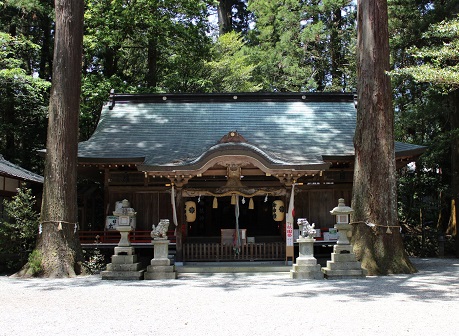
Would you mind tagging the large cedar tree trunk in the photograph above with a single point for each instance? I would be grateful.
(225, 16)
(374, 193)
(452, 224)
(58, 243)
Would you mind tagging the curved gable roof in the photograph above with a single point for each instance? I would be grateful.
(179, 130)
(288, 130)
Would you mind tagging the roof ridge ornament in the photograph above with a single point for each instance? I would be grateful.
(232, 136)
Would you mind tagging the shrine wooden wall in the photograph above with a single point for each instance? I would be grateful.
(314, 204)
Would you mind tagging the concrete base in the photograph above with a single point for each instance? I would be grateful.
(122, 275)
(306, 268)
(124, 250)
(155, 272)
(343, 264)
(124, 266)
(160, 266)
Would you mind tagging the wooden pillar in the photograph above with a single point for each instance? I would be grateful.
(106, 193)
(180, 223)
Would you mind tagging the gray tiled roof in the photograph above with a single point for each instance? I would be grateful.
(178, 132)
(9, 169)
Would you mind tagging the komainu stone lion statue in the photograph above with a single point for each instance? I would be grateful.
(160, 231)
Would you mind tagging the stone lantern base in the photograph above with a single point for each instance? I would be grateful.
(306, 266)
(343, 264)
(124, 265)
(160, 266)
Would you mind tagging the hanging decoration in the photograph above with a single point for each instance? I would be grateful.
(237, 237)
(190, 211)
(215, 203)
(243, 200)
(251, 205)
(266, 198)
(233, 199)
(278, 210)
(174, 209)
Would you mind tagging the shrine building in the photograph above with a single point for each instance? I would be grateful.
(217, 162)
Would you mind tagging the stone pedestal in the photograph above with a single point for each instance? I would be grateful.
(124, 265)
(306, 266)
(343, 263)
(160, 266)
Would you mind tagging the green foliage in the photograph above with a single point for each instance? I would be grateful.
(18, 232)
(231, 68)
(156, 45)
(23, 107)
(94, 261)
(35, 262)
(437, 61)
(304, 46)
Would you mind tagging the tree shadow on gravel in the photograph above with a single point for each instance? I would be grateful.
(437, 279)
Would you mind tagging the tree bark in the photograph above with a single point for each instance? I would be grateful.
(153, 55)
(58, 243)
(225, 16)
(335, 49)
(374, 192)
(452, 225)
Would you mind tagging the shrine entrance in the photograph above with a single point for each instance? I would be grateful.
(257, 221)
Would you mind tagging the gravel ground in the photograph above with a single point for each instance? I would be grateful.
(425, 303)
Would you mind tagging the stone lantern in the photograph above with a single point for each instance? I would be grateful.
(342, 225)
(126, 223)
(124, 265)
(343, 263)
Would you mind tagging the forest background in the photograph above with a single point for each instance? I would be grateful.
(190, 46)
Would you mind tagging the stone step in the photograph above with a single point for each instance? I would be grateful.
(124, 267)
(120, 275)
(343, 257)
(343, 265)
(215, 267)
(124, 259)
(159, 275)
(162, 269)
(342, 274)
(308, 268)
(317, 275)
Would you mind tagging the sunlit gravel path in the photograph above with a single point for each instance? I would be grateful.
(425, 303)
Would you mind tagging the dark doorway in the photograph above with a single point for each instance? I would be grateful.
(258, 221)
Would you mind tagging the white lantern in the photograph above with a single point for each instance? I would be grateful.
(190, 211)
(278, 210)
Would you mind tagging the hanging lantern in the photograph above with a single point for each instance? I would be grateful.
(278, 210)
(190, 211)
(251, 205)
(233, 199)
(215, 203)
